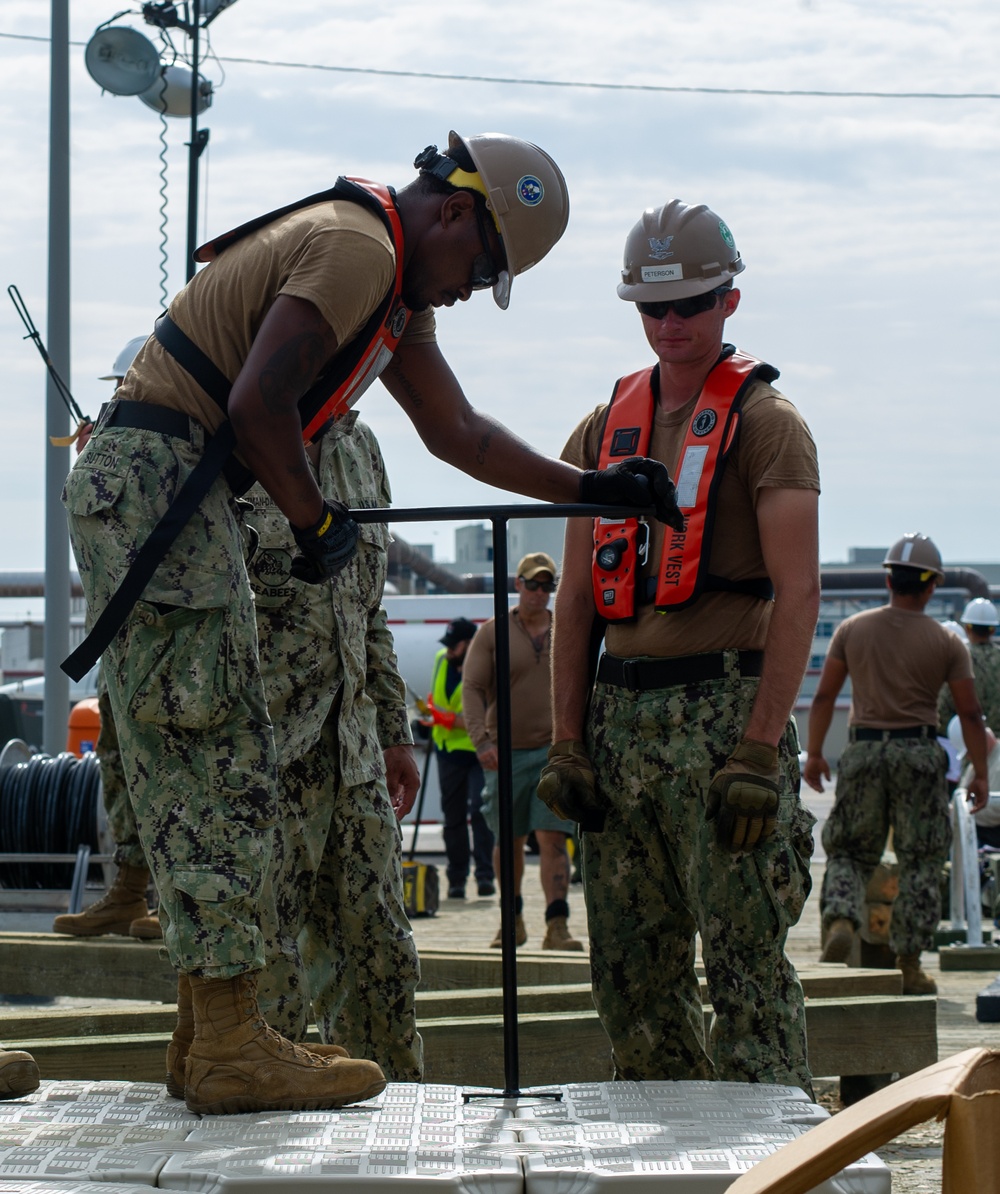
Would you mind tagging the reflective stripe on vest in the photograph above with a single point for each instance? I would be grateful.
(619, 548)
(360, 362)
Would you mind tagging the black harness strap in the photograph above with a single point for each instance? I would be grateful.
(217, 451)
(218, 455)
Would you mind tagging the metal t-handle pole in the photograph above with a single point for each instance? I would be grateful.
(498, 517)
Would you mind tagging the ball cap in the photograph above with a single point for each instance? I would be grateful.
(535, 562)
(460, 630)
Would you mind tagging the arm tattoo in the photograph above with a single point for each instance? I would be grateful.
(483, 447)
(407, 386)
(290, 371)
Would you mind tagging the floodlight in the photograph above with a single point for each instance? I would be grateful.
(122, 60)
(210, 9)
(171, 92)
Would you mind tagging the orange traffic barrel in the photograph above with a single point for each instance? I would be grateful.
(84, 726)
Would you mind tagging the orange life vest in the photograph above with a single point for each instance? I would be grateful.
(621, 545)
(361, 361)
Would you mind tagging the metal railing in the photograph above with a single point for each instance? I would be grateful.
(498, 517)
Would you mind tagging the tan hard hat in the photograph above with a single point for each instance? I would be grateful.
(524, 189)
(915, 551)
(677, 251)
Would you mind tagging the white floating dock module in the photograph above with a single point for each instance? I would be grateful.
(595, 1138)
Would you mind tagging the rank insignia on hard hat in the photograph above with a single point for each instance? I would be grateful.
(530, 190)
(659, 249)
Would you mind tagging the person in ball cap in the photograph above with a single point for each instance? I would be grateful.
(459, 773)
(685, 748)
(530, 636)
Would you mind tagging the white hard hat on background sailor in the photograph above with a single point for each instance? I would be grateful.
(124, 359)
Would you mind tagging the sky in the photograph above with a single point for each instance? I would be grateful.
(869, 226)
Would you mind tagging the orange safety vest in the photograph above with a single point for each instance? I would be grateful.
(354, 369)
(621, 545)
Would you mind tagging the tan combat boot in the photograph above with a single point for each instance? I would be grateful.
(915, 980)
(124, 902)
(237, 1063)
(520, 933)
(18, 1074)
(180, 1044)
(146, 928)
(557, 936)
(839, 941)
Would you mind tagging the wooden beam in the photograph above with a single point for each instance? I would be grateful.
(873, 1035)
(125, 968)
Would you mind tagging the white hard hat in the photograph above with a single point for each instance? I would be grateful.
(125, 358)
(957, 630)
(980, 612)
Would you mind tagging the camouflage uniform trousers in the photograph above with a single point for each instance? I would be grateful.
(341, 939)
(656, 876)
(337, 879)
(121, 819)
(900, 784)
(185, 693)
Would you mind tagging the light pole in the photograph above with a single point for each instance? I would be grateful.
(124, 62)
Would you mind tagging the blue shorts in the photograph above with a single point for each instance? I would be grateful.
(529, 812)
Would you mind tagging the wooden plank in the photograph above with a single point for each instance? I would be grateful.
(444, 970)
(969, 957)
(568, 997)
(87, 967)
(881, 1035)
(121, 967)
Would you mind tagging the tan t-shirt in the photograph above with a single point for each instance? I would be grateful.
(774, 451)
(897, 660)
(335, 254)
(530, 671)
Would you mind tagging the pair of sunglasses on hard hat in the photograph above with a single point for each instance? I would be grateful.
(697, 304)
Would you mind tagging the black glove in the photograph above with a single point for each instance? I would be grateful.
(743, 796)
(567, 786)
(326, 546)
(637, 481)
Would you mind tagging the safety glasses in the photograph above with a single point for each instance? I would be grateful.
(547, 586)
(698, 304)
(485, 270)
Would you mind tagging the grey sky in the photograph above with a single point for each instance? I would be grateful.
(869, 227)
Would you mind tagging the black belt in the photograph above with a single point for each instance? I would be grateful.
(146, 417)
(867, 734)
(641, 674)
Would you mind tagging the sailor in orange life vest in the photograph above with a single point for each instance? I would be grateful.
(298, 311)
(684, 750)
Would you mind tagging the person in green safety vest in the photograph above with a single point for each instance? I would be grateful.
(459, 772)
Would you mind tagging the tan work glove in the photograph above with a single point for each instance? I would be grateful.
(567, 786)
(743, 796)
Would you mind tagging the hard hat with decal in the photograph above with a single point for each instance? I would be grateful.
(125, 358)
(980, 612)
(525, 192)
(915, 551)
(677, 251)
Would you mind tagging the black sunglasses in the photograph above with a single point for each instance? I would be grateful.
(547, 586)
(698, 304)
(485, 270)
